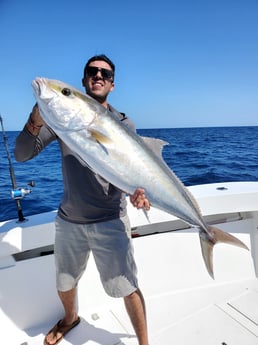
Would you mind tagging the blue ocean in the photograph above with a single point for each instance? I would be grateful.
(196, 155)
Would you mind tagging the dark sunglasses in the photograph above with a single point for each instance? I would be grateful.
(91, 71)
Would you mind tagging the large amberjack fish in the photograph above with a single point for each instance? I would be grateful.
(123, 158)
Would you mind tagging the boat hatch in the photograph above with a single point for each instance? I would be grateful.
(247, 305)
(243, 309)
(209, 326)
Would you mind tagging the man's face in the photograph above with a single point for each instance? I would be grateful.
(98, 83)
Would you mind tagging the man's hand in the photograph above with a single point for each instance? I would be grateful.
(35, 117)
(35, 121)
(139, 200)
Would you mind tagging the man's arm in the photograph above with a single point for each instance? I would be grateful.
(33, 138)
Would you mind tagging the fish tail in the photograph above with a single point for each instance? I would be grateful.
(208, 241)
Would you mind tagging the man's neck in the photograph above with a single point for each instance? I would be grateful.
(101, 101)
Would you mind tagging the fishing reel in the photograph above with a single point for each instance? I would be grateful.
(20, 193)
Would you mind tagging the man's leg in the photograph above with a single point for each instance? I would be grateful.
(115, 261)
(135, 307)
(68, 299)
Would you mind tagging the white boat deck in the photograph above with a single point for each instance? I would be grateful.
(184, 305)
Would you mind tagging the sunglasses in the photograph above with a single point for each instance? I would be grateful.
(91, 71)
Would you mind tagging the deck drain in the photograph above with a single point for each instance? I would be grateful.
(95, 316)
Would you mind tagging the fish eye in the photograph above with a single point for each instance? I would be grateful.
(66, 92)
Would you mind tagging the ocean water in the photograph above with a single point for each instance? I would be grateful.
(196, 155)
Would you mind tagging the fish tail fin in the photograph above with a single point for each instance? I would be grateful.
(208, 241)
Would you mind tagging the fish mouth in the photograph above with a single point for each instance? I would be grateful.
(37, 85)
(41, 90)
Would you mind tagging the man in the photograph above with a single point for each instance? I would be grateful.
(91, 217)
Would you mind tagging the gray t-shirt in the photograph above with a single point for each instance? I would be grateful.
(87, 198)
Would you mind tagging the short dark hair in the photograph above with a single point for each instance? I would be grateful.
(101, 57)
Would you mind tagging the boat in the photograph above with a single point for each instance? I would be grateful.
(184, 304)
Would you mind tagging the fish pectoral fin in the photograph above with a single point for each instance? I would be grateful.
(207, 244)
(100, 137)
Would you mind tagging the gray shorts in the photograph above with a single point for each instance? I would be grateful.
(111, 245)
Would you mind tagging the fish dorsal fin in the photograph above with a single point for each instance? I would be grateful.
(156, 145)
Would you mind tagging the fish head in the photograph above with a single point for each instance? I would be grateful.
(63, 106)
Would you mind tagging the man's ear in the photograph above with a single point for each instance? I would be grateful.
(112, 86)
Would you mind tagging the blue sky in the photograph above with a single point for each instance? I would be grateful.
(185, 63)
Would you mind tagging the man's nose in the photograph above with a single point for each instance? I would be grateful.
(99, 75)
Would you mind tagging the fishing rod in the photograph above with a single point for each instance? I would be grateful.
(16, 193)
